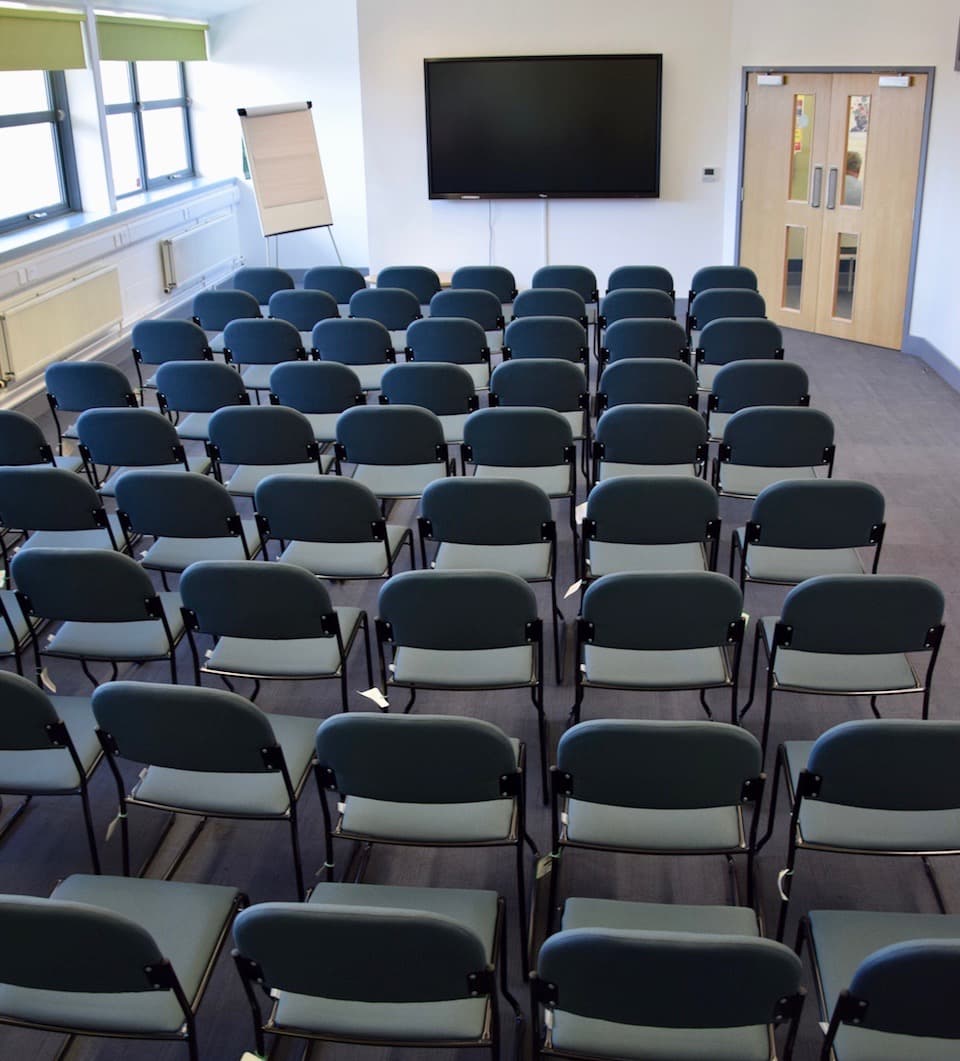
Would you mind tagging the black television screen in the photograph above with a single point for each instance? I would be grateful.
(579, 126)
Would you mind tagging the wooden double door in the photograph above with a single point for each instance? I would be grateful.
(831, 163)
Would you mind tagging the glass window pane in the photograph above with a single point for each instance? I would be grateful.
(164, 141)
(32, 182)
(856, 154)
(115, 78)
(123, 153)
(848, 244)
(23, 91)
(159, 80)
(801, 145)
(793, 267)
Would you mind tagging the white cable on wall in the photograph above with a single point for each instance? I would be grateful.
(546, 231)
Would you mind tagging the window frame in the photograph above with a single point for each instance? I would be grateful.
(58, 116)
(136, 107)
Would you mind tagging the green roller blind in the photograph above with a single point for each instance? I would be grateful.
(37, 39)
(132, 39)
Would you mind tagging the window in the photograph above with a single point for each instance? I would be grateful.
(38, 176)
(147, 123)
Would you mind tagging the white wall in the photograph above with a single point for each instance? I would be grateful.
(682, 230)
(280, 52)
(878, 33)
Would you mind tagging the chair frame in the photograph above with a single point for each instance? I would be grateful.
(511, 786)
(782, 636)
(19, 644)
(379, 531)
(751, 536)
(733, 644)
(546, 995)
(178, 452)
(699, 461)
(846, 1010)
(808, 785)
(724, 453)
(548, 532)
(153, 609)
(481, 982)
(329, 626)
(562, 787)
(161, 977)
(60, 737)
(534, 637)
(710, 544)
(131, 403)
(569, 458)
(273, 760)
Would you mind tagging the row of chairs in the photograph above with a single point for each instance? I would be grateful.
(365, 345)
(343, 282)
(399, 311)
(461, 629)
(643, 787)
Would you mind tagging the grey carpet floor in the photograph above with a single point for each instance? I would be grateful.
(897, 425)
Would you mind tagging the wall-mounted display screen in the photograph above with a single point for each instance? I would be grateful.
(575, 126)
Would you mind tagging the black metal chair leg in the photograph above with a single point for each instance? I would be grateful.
(753, 670)
(88, 822)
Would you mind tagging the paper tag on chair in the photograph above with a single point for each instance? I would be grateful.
(824, 1026)
(573, 588)
(3, 579)
(376, 696)
(47, 682)
(580, 513)
(544, 866)
(112, 827)
(247, 1056)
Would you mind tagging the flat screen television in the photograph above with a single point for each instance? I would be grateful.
(545, 126)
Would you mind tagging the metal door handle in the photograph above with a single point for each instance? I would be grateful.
(817, 189)
(832, 188)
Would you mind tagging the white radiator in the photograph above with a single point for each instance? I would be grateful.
(59, 321)
(194, 253)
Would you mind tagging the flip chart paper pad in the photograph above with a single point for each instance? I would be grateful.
(284, 161)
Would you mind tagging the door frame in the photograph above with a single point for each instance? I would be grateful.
(930, 71)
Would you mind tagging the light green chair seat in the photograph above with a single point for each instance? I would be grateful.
(245, 479)
(430, 822)
(527, 561)
(646, 669)
(52, 770)
(415, 1022)
(324, 425)
(176, 554)
(299, 657)
(614, 469)
(553, 480)
(748, 480)
(241, 794)
(710, 828)
(195, 463)
(776, 564)
(185, 920)
(17, 619)
(120, 641)
(399, 480)
(345, 559)
(98, 538)
(832, 672)
(842, 939)
(601, 1038)
(610, 557)
(863, 828)
(480, 667)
